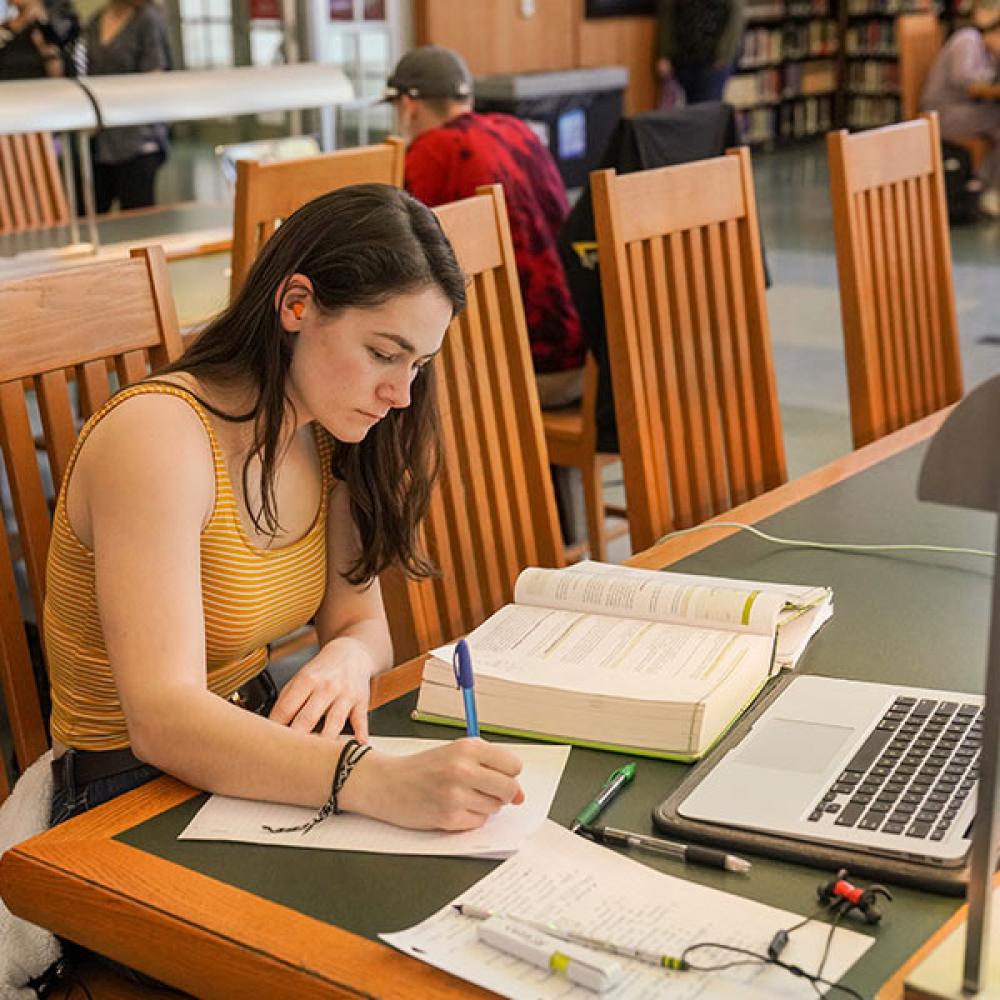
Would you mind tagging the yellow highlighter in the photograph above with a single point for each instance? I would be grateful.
(594, 972)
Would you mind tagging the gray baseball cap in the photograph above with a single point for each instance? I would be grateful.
(430, 71)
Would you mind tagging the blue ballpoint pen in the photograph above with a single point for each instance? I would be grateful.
(462, 663)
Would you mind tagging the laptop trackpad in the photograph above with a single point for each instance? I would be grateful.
(794, 745)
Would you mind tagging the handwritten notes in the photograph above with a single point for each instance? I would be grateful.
(561, 878)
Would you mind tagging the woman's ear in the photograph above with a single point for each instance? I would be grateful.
(291, 301)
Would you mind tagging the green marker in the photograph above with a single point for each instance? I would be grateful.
(617, 780)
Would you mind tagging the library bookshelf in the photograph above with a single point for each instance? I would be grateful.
(808, 66)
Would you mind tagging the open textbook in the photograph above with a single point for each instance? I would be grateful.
(641, 661)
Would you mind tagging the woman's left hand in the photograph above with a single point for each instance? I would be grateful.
(331, 688)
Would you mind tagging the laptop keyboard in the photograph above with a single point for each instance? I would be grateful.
(912, 775)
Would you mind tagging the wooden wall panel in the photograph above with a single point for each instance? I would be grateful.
(495, 37)
(623, 41)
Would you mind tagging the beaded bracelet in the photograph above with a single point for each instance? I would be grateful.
(350, 755)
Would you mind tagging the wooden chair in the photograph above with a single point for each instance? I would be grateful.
(918, 40)
(897, 299)
(81, 326)
(493, 512)
(31, 189)
(688, 338)
(571, 439)
(267, 193)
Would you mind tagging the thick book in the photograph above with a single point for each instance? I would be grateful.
(645, 662)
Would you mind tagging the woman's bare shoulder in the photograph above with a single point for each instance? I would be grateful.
(149, 443)
(153, 420)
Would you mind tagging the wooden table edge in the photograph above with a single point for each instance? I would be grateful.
(88, 878)
(672, 549)
(893, 988)
(382, 966)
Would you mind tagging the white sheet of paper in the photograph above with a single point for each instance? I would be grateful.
(564, 879)
(225, 818)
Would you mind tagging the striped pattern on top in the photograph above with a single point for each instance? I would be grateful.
(251, 596)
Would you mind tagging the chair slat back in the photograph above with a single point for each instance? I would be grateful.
(267, 193)
(67, 341)
(689, 342)
(918, 40)
(17, 684)
(493, 512)
(897, 298)
(31, 188)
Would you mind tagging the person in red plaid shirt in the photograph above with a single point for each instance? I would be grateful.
(452, 150)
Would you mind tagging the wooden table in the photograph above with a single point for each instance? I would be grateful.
(213, 939)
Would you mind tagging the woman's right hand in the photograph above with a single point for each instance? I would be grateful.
(457, 786)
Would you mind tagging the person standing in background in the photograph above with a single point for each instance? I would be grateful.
(971, 55)
(128, 36)
(451, 151)
(35, 40)
(698, 42)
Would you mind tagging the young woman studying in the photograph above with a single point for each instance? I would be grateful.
(264, 479)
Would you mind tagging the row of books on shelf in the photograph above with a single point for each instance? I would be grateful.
(799, 40)
(893, 7)
(870, 38)
(865, 111)
(807, 8)
(745, 90)
(769, 86)
(762, 46)
(873, 77)
(792, 120)
(815, 77)
(774, 10)
(765, 10)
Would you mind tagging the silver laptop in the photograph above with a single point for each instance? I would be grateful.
(879, 768)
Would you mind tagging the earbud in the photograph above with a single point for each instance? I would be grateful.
(839, 892)
(298, 308)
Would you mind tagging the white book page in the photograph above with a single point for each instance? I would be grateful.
(794, 635)
(653, 596)
(804, 608)
(796, 595)
(617, 657)
(242, 820)
(561, 878)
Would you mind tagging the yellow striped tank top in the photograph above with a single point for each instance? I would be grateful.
(251, 596)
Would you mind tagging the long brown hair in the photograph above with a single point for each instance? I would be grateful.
(359, 246)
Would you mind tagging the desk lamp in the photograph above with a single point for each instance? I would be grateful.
(962, 469)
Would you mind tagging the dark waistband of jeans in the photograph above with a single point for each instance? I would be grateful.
(257, 696)
(92, 765)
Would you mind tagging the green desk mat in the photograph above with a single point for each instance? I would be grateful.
(884, 628)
